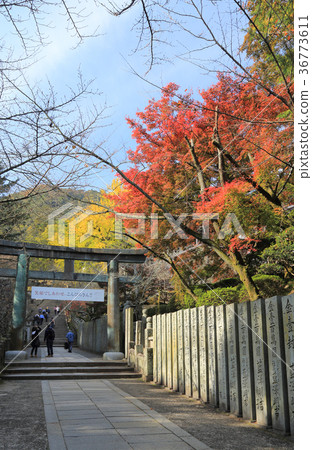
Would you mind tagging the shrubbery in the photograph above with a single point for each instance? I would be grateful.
(268, 285)
(162, 309)
(218, 296)
(226, 283)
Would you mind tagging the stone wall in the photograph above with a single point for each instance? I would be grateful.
(92, 335)
(6, 302)
(238, 357)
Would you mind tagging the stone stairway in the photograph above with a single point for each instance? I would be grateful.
(60, 328)
(77, 370)
(64, 365)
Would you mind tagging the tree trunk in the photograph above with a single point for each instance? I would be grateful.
(196, 162)
(184, 282)
(246, 279)
(235, 262)
(217, 144)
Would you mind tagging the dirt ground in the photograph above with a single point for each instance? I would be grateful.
(216, 429)
(22, 420)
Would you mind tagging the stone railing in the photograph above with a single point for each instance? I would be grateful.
(92, 335)
(238, 357)
(139, 344)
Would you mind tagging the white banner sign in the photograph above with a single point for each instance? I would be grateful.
(82, 295)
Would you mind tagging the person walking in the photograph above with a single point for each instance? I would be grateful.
(49, 337)
(36, 320)
(52, 323)
(35, 341)
(58, 309)
(70, 339)
(55, 309)
(41, 318)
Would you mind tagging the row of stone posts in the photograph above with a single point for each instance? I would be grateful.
(238, 357)
(139, 344)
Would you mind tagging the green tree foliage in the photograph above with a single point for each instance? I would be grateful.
(12, 214)
(269, 39)
(278, 259)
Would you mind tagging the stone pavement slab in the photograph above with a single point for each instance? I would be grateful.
(96, 443)
(99, 415)
(60, 355)
(160, 446)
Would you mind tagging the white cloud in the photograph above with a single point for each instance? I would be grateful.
(64, 46)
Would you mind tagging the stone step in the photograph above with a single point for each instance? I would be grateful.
(62, 345)
(43, 369)
(58, 345)
(70, 376)
(85, 364)
(60, 339)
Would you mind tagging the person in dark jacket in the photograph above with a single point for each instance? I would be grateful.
(49, 336)
(36, 320)
(35, 341)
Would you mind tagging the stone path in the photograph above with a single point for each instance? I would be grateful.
(82, 414)
(96, 414)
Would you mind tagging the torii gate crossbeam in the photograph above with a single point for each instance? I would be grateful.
(25, 251)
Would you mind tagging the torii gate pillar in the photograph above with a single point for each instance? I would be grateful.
(113, 313)
(19, 302)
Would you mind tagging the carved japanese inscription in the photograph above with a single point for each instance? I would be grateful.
(159, 348)
(213, 388)
(187, 352)
(277, 367)
(233, 360)
(155, 360)
(203, 353)
(180, 323)
(169, 351)
(288, 325)
(222, 356)
(246, 361)
(163, 350)
(175, 374)
(261, 364)
(195, 353)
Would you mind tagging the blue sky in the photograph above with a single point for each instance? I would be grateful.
(105, 59)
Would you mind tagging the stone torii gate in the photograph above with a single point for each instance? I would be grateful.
(112, 257)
